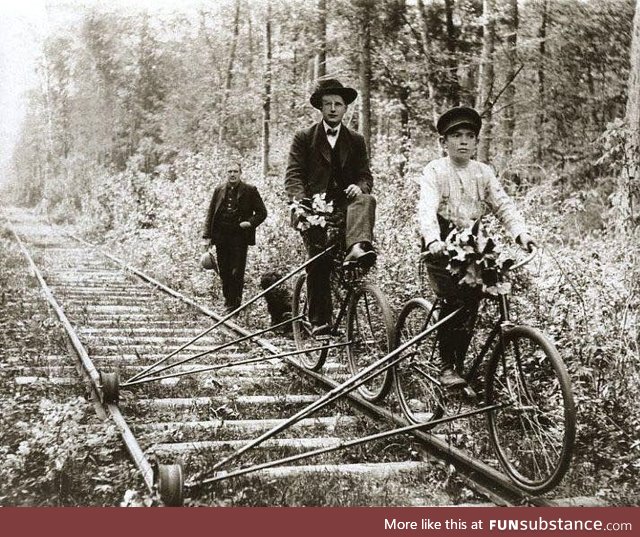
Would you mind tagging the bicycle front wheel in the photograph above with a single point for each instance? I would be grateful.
(370, 330)
(302, 327)
(417, 375)
(533, 431)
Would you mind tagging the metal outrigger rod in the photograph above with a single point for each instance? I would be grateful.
(221, 476)
(238, 362)
(150, 369)
(349, 385)
(147, 378)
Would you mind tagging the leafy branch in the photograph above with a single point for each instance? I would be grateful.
(315, 212)
(477, 261)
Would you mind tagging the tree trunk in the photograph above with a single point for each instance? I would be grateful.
(453, 86)
(486, 79)
(426, 50)
(510, 91)
(540, 119)
(321, 55)
(629, 185)
(365, 72)
(266, 105)
(405, 131)
(229, 74)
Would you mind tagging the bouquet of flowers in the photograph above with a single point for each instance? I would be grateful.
(477, 261)
(312, 212)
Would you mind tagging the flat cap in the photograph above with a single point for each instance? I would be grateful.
(460, 115)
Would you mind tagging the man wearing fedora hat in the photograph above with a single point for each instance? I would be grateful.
(235, 211)
(329, 158)
(455, 191)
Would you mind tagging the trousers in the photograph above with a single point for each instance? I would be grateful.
(232, 261)
(359, 224)
(454, 336)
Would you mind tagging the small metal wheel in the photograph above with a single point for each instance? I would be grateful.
(170, 484)
(110, 387)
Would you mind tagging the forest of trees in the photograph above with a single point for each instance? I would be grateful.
(130, 90)
(135, 115)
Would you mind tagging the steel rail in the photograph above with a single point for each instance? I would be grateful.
(228, 324)
(131, 444)
(347, 386)
(475, 472)
(148, 369)
(493, 482)
(342, 445)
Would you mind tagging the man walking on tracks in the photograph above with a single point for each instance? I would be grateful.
(235, 211)
(454, 192)
(329, 158)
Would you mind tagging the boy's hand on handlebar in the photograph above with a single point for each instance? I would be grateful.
(526, 242)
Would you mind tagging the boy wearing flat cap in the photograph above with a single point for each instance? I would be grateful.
(329, 158)
(455, 191)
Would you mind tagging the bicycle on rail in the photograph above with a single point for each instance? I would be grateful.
(361, 314)
(531, 414)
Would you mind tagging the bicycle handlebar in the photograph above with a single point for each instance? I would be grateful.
(528, 259)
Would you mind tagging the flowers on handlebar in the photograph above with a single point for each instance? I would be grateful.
(477, 261)
(312, 212)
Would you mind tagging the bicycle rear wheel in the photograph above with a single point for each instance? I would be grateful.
(534, 432)
(417, 375)
(302, 328)
(370, 330)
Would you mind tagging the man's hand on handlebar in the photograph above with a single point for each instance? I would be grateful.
(436, 248)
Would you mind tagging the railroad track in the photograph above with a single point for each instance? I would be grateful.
(121, 320)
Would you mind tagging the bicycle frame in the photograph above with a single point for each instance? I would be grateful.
(349, 279)
(503, 322)
(342, 311)
(526, 392)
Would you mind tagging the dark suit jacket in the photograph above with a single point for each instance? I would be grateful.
(250, 208)
(309, 168)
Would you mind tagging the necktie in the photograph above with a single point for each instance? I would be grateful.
(332, 132)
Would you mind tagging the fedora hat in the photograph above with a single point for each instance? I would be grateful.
(208, 262)
(331, 86)
(460, 115)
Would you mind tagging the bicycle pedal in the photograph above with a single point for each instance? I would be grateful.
(323, 337)
(469, 392)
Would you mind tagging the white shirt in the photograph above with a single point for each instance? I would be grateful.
(462, 195)
(332, 139)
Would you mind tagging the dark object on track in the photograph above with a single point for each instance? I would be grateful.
(110, 387)
(278, 301)
(170, 484)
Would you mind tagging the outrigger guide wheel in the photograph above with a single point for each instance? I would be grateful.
(170, 484)
(110, 386)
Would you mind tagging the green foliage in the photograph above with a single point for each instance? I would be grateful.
(155, 87)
